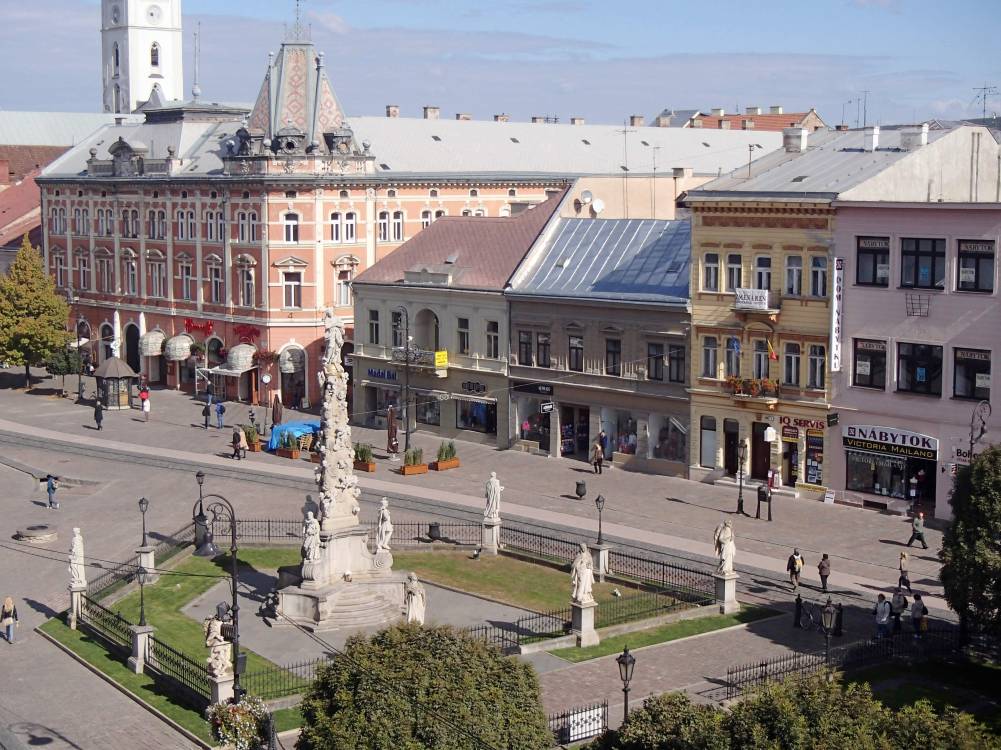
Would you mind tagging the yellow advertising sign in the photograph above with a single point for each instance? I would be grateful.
(441, 360)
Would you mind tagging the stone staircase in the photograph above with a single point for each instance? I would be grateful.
(358, 606)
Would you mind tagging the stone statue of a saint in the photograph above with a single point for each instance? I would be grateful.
(384, 530)
(414, 599)
(333, 336)
(78, 566)
(723, 543)
(582, 577)
(310, 538)
(218, 661)
(493, 493)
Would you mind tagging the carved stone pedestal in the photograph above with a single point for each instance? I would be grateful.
(726, 592)
(582, 623)
(490, 542)
(76, 603)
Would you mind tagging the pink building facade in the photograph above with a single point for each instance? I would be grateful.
(921, 324)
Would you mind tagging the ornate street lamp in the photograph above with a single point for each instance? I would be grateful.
(142, 576)
(581, 489)
(143, 507)
(599, 503)
(203, 535)
(222, 509)
(741, 455)
(626, 662)
(408, 356)
(827, 617)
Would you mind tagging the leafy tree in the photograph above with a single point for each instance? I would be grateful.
(971, 546)
(64, 361)
(670, 722)
(409, 688)
(32, 314)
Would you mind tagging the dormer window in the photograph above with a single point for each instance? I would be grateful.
(474, 193)
(391, 193)
(154, 55)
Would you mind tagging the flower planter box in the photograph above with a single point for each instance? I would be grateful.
(367, 466)
(254, 447)
(413, 469)
(451, 463)
(292, 453)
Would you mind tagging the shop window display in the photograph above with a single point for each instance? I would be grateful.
(625, 430)
(874, 474)
(476, 416)
(671, 441)
(428, 409)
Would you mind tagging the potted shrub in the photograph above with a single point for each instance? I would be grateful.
(363, 458)
(241, 726)
(734, 383)
(446, 457)
(253, 439)
(288, 448)
(413, 462)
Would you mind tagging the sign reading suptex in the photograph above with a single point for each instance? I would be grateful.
(890, 440)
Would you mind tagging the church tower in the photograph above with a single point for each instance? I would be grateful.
(141, 44)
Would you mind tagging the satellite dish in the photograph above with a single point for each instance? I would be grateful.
(586, 197)
(598, 205)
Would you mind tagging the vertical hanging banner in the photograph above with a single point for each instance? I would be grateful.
(837, 307)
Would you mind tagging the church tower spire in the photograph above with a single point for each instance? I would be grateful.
(141, 47)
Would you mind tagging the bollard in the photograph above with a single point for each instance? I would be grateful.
(798, 611)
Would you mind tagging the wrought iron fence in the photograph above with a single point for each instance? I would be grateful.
(112, 579)
(170, 545)
(503, 637)
(542, 625)
(686, 583)
(107, 625)
(544, 546)
(933, 643)
(579, 723)
(422, 533)
(260, 530)
(636, 606)
(181, 674)
(281, 682)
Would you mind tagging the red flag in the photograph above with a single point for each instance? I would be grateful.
(771, 352)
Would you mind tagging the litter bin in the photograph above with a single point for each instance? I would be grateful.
(764, 496)
(434, 531)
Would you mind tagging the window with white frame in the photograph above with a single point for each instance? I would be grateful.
(383, 226)
(397, 226)
(734, 272)
(59, 263)
(83, 266)
(480, 212)
(247, 226)
(344, 273)
(493, 339)
(439, 213)
(350, 226)
(157, 278)
(732, 358)
(245, 274)
(791, 371)
(184, 272)
(86, 227)
(241, 223)
(192, 226)
(818, 276)
(763, 272)
(151, 225)
(710, 272)
(77, 221)
(794, 276)
(292, 289)
(210, 226)
(462, 335)
(54, 220)
(62, 221)
(760, 359)
(100, 221)
(182, 226)
(710, 357)
(373, 327)
(433, 193)
(396, 327)
(426, 219)
(291, 224)
(467, 212)
(252, 226)
(215, 283)
(104, 275)
(335, 226)
(130, 272)
(220, 226)
(474, 193)
(817, 375)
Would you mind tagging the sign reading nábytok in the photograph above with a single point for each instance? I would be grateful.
(751, 299)
(836, 313)
(890, 440)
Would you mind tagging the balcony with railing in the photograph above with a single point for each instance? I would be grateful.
(755, 390)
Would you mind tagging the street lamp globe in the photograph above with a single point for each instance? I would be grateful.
(200, 477)
(143, 505)
(599, 503)
(627, 663)
(827, 615)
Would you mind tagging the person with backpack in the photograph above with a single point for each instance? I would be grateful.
(919, 616)
(220, 409)
(795, 566)
(824, 569)
(51, 485)
(898, 605)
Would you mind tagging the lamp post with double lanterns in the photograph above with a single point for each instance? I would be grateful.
(827, 616)
(626, 662)
(143, 507)
(599, 503)
(222, 509)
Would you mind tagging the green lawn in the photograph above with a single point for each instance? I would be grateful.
(504, 579)
(95, 654)
(663, 634)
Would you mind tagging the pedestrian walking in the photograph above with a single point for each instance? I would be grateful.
(904, 580)
(243, 443)
(220, 409)
(146, 407)
(824, 569)
(237, 432)
(597, 456)
(209, 393)
(882, 612)
(918, 531)
(795, 567)
(8, 619)
(51, 485)
(898, 605)
(919, 616)
(603, 440)
(98, 413)
(206, 413)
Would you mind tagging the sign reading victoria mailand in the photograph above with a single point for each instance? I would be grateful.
(750, 299)
(890, 440)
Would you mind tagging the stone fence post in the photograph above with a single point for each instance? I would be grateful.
(599, 559)
(147, 560)
(76, 603)
(140, 647)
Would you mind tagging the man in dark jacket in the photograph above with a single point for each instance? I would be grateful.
(236, 443)
(918, 530)
(98, 413)
(206, 413)
(824, 569)
(794, 566)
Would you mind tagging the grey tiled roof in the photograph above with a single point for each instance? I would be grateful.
(637, 260)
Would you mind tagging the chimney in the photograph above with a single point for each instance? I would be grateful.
(870, 138)
(914, 138)
(432, 113)
(538, 120)
(392, 110)
(753, 111)
(841, 128)
(775, 110)
(794, 140)
(464, 116)
(503, 117)
(637, 121)
(576, 120)
(718, 111)
(747, 124)
(662, 121)
(681, 172)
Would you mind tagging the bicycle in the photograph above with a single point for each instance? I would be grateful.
(810, 617)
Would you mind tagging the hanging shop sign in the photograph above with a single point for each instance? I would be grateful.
(539, 389)
(382, 374)
(837, 307)
(547, 407)
(790, 433)
(441, 360)
(890, 440)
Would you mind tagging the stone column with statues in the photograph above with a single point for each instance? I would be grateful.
(725, 576)
(582, 603)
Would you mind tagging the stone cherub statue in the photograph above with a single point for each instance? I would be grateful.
(582, 577)
(218, 661)
(384, 530)
(310, 538)
(414, 599)
(493, 494)
(78, 565)
(723, 543)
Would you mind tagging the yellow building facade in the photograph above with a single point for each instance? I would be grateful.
(761, 285)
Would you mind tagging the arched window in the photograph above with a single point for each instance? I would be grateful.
(426, 219)
(115, 65)
(350, 226)
(344, 194)
(182, 226)
(335, 226)
(383, 226)
(252, 221)
(291, 227)
(344, 272)
(512, 192)
(474, 193)
(434, 193)
(118, 96)
(130, 273)
(391, 193)
(192, 226)
(154, 55)
(397, 226)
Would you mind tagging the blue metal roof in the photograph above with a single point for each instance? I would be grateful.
(637, 260)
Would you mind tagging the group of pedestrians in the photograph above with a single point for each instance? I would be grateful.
(889, 614)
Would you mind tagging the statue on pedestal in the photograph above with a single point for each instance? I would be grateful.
(414, 600)
(582, 577)
(493, 494)
(723, 543)
(384, 531)
(218, 661)
(78, 566)
(310, 538)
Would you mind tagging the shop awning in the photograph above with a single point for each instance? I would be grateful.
(440, 395)
(221, 371)
(151, 343)
(241, 357)
(380, 384)
(178, 348)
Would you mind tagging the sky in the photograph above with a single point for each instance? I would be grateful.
(598, 59)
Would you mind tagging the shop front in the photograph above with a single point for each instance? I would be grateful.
(379, 389)
(884, 464)
(532, 406)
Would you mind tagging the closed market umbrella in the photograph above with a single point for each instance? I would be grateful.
(276, 411)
